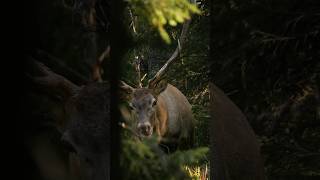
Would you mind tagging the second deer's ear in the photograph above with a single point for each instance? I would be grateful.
(159, 87)
(126, 91)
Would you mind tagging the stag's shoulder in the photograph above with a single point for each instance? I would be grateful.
(176, 93)
(175, 100)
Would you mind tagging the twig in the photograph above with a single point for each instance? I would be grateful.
(97, 70)
(132, 21)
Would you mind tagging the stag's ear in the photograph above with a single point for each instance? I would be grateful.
(52, 93)
(159, 87)
(126, 91)
(51, 83)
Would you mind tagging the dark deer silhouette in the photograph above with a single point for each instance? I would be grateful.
(235, 150)
(80, 117)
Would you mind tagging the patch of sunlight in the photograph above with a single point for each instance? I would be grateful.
(197, 172)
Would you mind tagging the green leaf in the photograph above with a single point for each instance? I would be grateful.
(161, 12)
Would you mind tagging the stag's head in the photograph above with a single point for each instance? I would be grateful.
(143, 102)
(84, 122)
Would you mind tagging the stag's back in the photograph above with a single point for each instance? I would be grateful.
(235, 149)
(180, 122)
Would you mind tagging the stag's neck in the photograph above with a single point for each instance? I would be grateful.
(161, 117)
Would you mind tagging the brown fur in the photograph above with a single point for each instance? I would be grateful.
(161, 118)
(172, 119)
(235, 148)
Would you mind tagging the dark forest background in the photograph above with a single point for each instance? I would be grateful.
(264, 54)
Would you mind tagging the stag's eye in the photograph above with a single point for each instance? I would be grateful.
(154, 102)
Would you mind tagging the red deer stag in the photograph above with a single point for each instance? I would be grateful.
(79, 117)
(161, 108)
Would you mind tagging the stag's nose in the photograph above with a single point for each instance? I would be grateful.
(145, 128)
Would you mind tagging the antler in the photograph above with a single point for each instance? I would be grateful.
(138, 70)
(152, 82)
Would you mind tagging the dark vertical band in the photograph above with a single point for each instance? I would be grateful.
(119, 41)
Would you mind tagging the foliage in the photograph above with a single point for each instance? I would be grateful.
(198, 172)
(145, 160)
(164, 12)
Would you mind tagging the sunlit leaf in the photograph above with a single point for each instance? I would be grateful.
(160, 13)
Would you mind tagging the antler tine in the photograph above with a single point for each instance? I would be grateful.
(173, 57)
(124, 85)
(137, 66)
